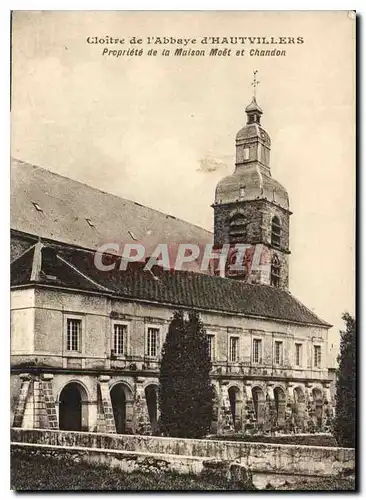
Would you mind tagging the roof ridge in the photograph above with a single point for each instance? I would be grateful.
(109, 194)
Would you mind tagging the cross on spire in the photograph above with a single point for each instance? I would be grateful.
(255, 82)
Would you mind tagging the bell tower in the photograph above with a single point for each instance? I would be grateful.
(251, 208)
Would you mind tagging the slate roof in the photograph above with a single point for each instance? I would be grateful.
(57, 208)
(74, 268)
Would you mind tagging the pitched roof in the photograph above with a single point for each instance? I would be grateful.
(74, 268)
(57, 208)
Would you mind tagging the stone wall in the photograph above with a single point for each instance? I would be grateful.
(256, 457)
(259, 214)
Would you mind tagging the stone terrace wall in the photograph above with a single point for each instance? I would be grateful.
(257, 457)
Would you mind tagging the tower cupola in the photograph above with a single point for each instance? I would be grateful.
(251, 207)
(254, 112)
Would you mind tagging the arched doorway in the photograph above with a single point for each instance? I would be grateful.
(259, 402)
(151, 395)
(318, 406)
(280, 402)
(236, 407)
(72, 411)
(118, 400)
(300, 406)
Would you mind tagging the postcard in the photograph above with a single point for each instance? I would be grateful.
(183, 250)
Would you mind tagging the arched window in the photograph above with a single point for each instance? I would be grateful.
(275, 271)
(276, 232)
(238, 229)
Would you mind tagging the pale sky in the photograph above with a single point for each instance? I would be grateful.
(141, 126)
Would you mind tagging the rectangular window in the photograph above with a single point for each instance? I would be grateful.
(234, 349)
(246, 153)
(211, 346)
(152, 342)
(73, 334)
(317, 356)
(298, 354)
(120, 339)
(278, 354)
(257, 351)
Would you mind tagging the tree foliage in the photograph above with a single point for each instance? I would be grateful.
(185, 390)
(345, 418)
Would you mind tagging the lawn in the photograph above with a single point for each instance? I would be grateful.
(30, 473)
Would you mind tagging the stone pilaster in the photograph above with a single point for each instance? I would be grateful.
(28, 418)
(24, 394)
(36, 407)
(226, 423)
(328, 409)
(249, 420)
(270, 392)
(310, 423)
(40, 413)
(142, 419)
(326, 393)
(49, 400)
(286, 420)
(290, 393)
(216, 413)
(270, 420)
(240, 415)
(293, 421)
(105, 418)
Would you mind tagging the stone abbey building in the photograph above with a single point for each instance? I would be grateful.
(85, 344)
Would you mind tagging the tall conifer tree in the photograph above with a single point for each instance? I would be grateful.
(185, 390)
(345, 418)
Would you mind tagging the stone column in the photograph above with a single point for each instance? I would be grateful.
(36, 407)
(309, 422)
(49, 400)
(40, 414)
(328, 410)
(270, 393)
(25, 393)
(270, 420)
(216, 412)
(291, 408)
(289, 417)
(226, 423)
(142, 419)
(249, 419)
(105, 419)
(290, 393)
(326, 391)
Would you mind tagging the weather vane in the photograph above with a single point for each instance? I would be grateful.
(255, 82)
